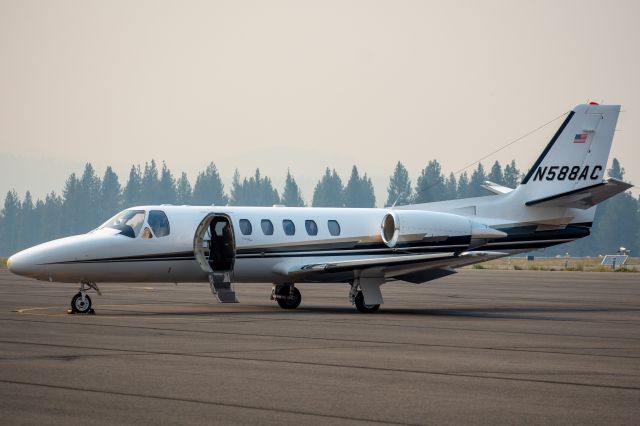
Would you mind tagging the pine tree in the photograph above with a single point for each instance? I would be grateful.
(168, 193)
(51, 218)
(150, 191)
(183, 195)
(451, 187)
(89, 199)
(110, 195)
(38, 223)
(511, 175)
(255, 191)
(495, 175)
(237, 190)
(617, 218)
(28, 226)
(359, 191)
(399, 190)
(368, 198)
(464, 191)
(430, 185)
(478, 177)
(132, 191)
(329, 191)
(209, 188)
(291, 194)
(71, 208)
(10, 223)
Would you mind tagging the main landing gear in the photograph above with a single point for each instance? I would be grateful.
(81, 302)
(357, 298)
(287, 295)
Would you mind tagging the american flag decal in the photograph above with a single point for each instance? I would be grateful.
(580, 138)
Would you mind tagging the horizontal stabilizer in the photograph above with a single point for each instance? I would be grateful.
(583, 198)
(495, 188)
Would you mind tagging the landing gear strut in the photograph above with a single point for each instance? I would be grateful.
(287, 295)
(81, 302)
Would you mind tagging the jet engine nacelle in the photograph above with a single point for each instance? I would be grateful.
(400, 226)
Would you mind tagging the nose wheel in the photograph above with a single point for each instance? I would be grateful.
(81, 302)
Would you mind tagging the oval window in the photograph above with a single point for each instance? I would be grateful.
(288, 227)
(245, 227)
(334, 227)
(267, 227)
(312, 227)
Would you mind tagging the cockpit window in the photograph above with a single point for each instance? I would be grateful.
(159, 223)
(128, 222)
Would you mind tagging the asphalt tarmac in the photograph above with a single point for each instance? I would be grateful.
(479, 347)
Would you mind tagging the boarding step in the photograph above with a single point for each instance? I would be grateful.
(220, 283)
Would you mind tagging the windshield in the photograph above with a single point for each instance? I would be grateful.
(128, 222)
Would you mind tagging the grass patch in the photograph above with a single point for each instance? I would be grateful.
(574, 264)
(575, 268)
(478, 266)
(3, 262)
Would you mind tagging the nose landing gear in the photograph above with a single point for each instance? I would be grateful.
(81, 302)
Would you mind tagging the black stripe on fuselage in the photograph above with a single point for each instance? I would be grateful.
(187, 255)
(520, 237)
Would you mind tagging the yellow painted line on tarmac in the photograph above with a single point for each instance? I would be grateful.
(26, 310)
(198, 315)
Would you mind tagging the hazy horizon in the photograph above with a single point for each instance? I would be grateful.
(303, 85)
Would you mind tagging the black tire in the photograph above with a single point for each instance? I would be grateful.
(289, 301)
(362, 307)
(80, 307)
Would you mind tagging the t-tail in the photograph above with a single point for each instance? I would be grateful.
(571, 170)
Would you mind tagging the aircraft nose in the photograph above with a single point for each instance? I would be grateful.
(21, 264)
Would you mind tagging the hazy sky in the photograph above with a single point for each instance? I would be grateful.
(304, 85)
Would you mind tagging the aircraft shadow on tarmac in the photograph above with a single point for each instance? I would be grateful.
(528, 313)
(524, 313)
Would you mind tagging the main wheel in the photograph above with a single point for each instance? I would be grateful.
(287, 300)
(362, 307)
(81, 305)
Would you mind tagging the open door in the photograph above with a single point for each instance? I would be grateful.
(215, 250)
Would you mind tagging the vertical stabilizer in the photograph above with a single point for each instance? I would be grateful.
(576, 157)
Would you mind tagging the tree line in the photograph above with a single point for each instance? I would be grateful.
(88, 200)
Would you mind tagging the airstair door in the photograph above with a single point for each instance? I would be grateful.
(215, 250)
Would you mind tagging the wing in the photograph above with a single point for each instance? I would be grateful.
(386, 266)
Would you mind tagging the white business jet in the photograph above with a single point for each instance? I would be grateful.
(555, 203)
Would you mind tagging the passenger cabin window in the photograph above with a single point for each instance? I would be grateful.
(267, 227)
(334, 227)
(312, 227)
(288, 227)
(128, 222)
(245, 227)
(159, 223)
